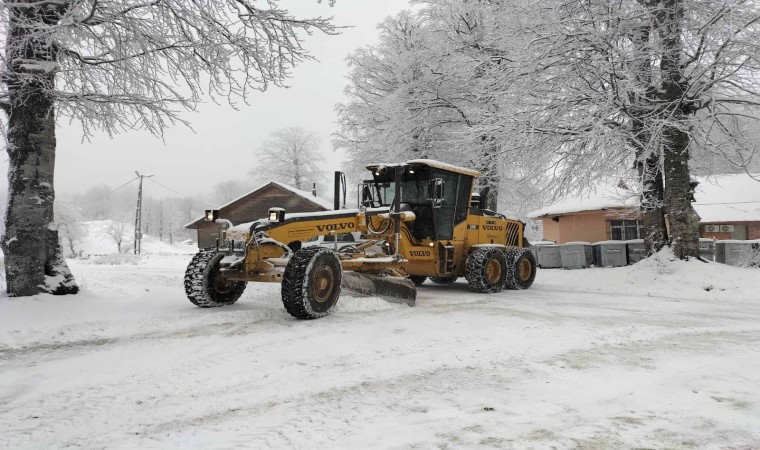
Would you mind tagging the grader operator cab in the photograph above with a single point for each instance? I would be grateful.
(423, 216)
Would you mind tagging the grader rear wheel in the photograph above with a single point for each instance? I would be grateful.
(522, 269)
(486, 269)
(311, 283)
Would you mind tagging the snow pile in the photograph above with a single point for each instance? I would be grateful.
(664, 275)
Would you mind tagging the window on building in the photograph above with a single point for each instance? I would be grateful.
(624, 230)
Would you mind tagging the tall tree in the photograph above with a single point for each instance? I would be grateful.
(118, 65)
(565, 92)
(424, 89)
(606, 83)
(292, 156)
(399, 97)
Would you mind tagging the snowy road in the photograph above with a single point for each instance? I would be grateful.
(596, 358)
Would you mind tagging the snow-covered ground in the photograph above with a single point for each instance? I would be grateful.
(663, 354)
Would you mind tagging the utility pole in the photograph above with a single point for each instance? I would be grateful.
(138, 214)
(161, 221)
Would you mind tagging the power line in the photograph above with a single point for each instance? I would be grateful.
(728, 203)
(180, 193)
(111, 192)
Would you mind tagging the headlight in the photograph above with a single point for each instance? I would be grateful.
(276, 215)
(211, 215)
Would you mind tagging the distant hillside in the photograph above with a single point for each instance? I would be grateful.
(97, 238)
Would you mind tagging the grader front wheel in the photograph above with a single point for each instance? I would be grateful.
(311, 283)
(204, 284)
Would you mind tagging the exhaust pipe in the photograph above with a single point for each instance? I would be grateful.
(339, 186)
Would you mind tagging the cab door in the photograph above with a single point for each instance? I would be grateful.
(450, 216)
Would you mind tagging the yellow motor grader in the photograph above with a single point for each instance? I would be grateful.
(420, 220)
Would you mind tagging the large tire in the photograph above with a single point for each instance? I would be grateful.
(203, 284)
(417, 279)
(522, 269)
(311, 283)
(486, 269)
(443, 280)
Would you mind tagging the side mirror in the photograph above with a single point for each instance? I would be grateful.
(437, 189)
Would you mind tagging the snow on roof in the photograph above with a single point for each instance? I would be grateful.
(445, 166)
(431, 163)
(728, 198)
(327, 204)
(602, 196)
(303, 194)
(719, 198)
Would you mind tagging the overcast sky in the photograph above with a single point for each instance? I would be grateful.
(224, 142)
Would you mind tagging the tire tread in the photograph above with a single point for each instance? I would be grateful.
(475, 268)
(196, 282)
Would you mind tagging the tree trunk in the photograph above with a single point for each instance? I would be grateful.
(655, 231)
(34, 261)
(647, 158)
(684, 222)
(652, 192)
(679, 193)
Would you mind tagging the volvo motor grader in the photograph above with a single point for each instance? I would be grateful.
(419, 219)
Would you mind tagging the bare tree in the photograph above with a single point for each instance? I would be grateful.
(291, 155)
(119, 65)
(118, 230)
(68, 220)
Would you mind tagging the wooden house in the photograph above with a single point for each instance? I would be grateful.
(255, 205)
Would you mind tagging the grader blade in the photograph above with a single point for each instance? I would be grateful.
(390, 289)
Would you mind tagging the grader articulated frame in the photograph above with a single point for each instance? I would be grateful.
(421, 216)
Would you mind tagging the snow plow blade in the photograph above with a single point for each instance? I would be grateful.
(390, 289)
